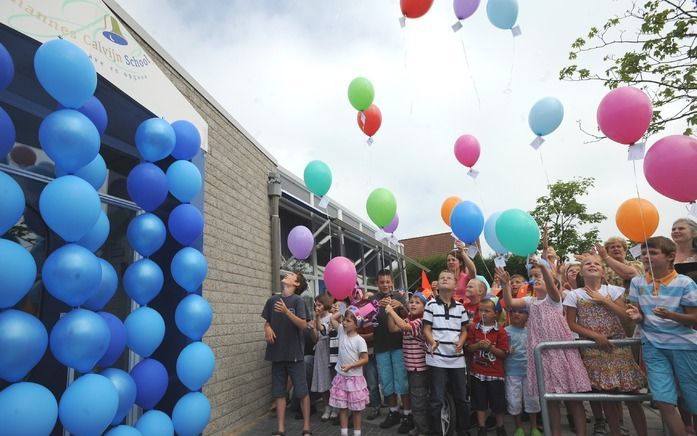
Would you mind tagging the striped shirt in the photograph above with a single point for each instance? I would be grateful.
(414, 347)
(681, 292)
(446, 324)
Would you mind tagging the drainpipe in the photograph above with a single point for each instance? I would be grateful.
(274, 191)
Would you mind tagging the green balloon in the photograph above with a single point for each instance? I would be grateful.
(381, 206)
(518, 231)
(318, 177)
(361, 93)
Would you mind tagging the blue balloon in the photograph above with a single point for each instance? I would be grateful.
(8, 134)
(184, 180)
(23, 342)
(155, 423)
(145, 330)
(65, 72)
(467, 221)
(195, 365)
(188, 140)
(193, 316)
(143, 280)
(27, 409)
(17, 273)
(146, 233)
(80, 339)
(191, 414)
(126, 390)
(7, 67)
(545, 116)
(155, 139)
(97, 236)
(69, 139)
(88, 405)
(95, 111)
(502, 13)
(117, 339)
(185, 223)
(189, 268)
(124, 430)
(72, 274)
(11, 202)
(151, 380)
(70, 207)
(147, 186)
(93, 173)
(490, 234)
(106, 289)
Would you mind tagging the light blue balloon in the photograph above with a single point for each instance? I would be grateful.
(195, 365)
(191, 414)
(17, 273)
(106, 289)
(189, 268)
(23, 342)
(155, 423)
(490, 234)
(145, 330)
(502, 13)
(126, 390)
(93, 173)
(72, 274)
(27, 409)
(143, 280)
(124, 430)
(155, 139)
(65, 72)
(80, 339)
(467, 221)
(69, 138)
(193, 316)
(88, 405)
(97, 235)
(146, 233)
(545, 116)
(184, 180)
(70, 206)
(11, 202)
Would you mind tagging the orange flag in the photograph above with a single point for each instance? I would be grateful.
(425, 285)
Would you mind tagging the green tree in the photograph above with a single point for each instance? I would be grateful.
(434, 264)
(652, 46)
(563, 215)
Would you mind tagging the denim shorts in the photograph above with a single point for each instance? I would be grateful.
(670, 371)
(280, 371)
(392, 373)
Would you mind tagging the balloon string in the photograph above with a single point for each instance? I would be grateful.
(641, 216)
(510, 76)
(484, 209)
(469, 71)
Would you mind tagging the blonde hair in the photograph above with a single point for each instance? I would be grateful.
(616, 240)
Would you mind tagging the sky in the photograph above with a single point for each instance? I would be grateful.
(282, 69)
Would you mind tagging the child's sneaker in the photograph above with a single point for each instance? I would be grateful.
(600, 427)
(519, 432)
(406, 424)
(327, 413)
(536, 432)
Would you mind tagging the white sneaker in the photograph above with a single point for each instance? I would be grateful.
(326, 415)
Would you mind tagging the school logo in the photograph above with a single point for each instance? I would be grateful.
(112, 31)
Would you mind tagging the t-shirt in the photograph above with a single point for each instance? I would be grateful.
(414, 346)
(383, 338)
(289, 343)
(572, 297)
(461, 287)
(485, 364)
(516, 364)
(446, 321)
(473, 312)
(350, 348)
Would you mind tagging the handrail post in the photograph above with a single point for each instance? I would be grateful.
(541, 390)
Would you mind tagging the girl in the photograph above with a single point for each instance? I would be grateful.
(349, 389)
(462, 266)
(595, 312)
(569, 275)
(321, 374)
(565, 371)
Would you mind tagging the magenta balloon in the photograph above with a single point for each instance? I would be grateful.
(300, 242)
(465, 8)
(467, 150)
(670, 167)
(340, 277)
(624, 114)
(392, 226)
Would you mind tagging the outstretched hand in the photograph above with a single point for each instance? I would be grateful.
(634, 313)
(502, 276)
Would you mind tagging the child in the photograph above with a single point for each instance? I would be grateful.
(445, 331)
(565, 372)
(476, 289)
(664, 304)
(515, 365)
(349, 389)
(414, 358)
(519, 287)
(489, 345)
(285, 317)
(321, 375)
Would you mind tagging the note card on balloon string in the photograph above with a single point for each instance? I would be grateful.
(472, 251)
(635, 251)
(473, 173)
(516, 31)
(692, 209)
(457, 26)
(323, 202)
(537, 142)
(636, 151)
(369, 141)
(500, 261)
(402, 22)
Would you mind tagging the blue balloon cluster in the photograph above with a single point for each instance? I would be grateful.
(191, 414)
(23, 342)
(72, 274)
(125, 388)
(151, 382)
(7, 67)
(93, 173)
(184, 180)
(65, 72)
(155, 423)
(195, 365)
(107, 287)
(117, 339)
(70, 207)
(185, 224)
(155, 139)
(143, 280)
(193, 316)
(17, 272)
(88, 405)
(188, 140)
(8, 134)
(189, 268)
(80, 339)
(147, 186)
(68, 126)
(145, 330)
(27, 409)
(146, 233)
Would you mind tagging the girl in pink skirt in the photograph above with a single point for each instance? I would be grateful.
(349, 390)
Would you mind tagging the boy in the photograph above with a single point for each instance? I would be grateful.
(519, 288)
(489, 345)
(286, 320)
(476, 289)
(664, 304)
(445, 332)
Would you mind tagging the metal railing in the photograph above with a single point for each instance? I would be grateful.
(545, 397)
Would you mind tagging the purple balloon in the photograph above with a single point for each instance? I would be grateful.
(151, 381)
(392, 226)
(117, 343)
(465, 8)
(301, 242)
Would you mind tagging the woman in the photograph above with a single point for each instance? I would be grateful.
(459, 263)
(618, 270)
(683, 232)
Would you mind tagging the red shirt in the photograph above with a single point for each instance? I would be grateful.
(485, 363)
(473, 313)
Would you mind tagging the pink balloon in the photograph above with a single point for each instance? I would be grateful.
(670, 167)
(392, 226)
(340, 277)
(467, 150)
(624, 114)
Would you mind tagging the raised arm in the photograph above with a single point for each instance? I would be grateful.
(623, 270)
(470, 268)
(395, 322)
(552, 290)
(505, 280)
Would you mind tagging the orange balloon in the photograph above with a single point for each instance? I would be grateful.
(447, 208)
(637, 219)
